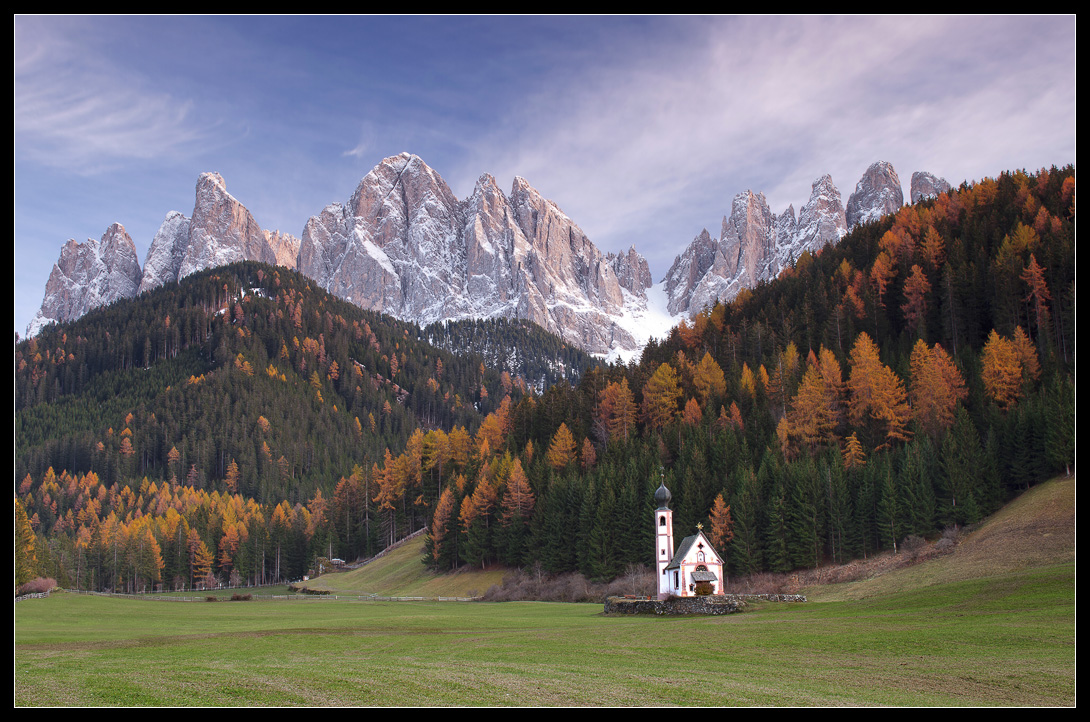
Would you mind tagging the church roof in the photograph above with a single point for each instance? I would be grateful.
(688, 543)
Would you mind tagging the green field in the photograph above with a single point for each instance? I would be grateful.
(953, 631)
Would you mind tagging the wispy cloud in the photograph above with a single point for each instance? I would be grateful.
(76, 110)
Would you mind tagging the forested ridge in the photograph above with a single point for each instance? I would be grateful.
(245, 381)
(517, 346)
(914, 376)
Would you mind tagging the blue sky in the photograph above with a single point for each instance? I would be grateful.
(642, 129)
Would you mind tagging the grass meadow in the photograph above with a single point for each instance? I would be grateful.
(990, 634)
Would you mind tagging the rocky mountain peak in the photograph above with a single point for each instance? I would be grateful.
(925, 185)
(687, 270)
(748, 237)
(631, 270)
(822, 220)
(211, 180)
(877, 193)
(167, 250)
(88, 275)
(221, 230)
(405, 245)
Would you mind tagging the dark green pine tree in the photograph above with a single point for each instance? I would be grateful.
(917, 493)
(890, 525)
(1060, 444)
(745, 554)
(839, 511)
(584, 531)
(804, 515)
(778, 555)
(962, 460)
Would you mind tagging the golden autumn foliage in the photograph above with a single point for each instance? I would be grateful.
(617, 410)
(518, 500)
(440, 523)
(692, 415)
(660, 397)
(1005, 364)
(747, 381)
(881, 273)
(877, 397)
(1034, 278)
(588, 457)
(1031, 368)
(936, 388)
(853, 454)
(709, 379)
(722, 525)
(562, 449)
(817, 409)
(916, 289)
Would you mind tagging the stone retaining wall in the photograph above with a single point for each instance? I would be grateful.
(710, 604)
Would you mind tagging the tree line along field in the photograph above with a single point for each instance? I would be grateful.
(965, 629)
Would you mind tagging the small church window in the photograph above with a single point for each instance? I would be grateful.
(662, 521)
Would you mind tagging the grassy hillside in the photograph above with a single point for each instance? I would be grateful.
(400, 573)
(1035, 530)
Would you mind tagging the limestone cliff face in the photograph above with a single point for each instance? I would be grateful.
(876, 194)
(631, 270)
(403, 244)
(402, 215)
(89, 275)
(757, 245)
(745, 252)
(688, 268)
(285, 248)
(167, 250)
(822, 220)
(787, 228)
(220, 231)
(926, 185)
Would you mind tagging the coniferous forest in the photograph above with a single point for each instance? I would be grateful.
(242, 423)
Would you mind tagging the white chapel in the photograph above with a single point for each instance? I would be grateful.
(694, 562)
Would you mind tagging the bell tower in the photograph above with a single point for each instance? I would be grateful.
(664, 538)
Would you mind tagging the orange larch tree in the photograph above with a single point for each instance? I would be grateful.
(1023, 348)
(518, 500)
(817, 409)
(722, 525)
(854, 456)
(1034, 278)
(440, 529)
(588, 457)
(1001, 371)
(617, 410)
(709, 379)
(562, 449)
(692, 416)
(936, 388)
(916, 289)
(877, 396)
(660, 397)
